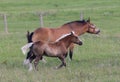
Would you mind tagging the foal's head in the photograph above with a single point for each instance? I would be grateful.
(75, 39)
(70, 38)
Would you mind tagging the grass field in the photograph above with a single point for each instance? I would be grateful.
(98, 60)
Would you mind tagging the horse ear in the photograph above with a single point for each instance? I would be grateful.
(72, 32)
(81, 16)
(88, 19)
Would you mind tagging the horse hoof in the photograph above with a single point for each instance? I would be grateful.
(44, 61)
(26, 62)
(30, 69)
(55, 68)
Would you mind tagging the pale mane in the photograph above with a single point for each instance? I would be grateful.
(63, 36)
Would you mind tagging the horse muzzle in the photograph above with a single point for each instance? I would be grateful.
(80, 43)
(98, 31)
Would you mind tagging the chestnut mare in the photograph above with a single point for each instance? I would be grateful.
(51, 34)
(59, 48)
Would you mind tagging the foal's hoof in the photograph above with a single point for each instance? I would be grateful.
(55, 68)
(36, 69)
(30, 69)
(26, 62)
(44, 61)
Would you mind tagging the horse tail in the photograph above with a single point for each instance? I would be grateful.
(29, 36)
(26, 47)
(29, 56)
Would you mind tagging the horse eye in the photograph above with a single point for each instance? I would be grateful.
(76, 37)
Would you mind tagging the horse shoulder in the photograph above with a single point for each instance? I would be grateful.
(61, 47)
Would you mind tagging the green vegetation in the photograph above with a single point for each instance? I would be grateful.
(98, 60)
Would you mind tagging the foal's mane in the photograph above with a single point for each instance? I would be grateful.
(64, 36)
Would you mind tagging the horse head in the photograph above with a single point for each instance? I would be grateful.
(92, 28)
(75, 39)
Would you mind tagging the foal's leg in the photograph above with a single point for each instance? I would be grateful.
(71, 51)
(37, 61)
(27, 61)
(66, 54)
(63, 62)
(30, 60)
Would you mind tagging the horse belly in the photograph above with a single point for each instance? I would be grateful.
(53, 52)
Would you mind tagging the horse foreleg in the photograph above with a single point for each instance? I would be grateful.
(63, 62)
(71, 54)
(71, 51)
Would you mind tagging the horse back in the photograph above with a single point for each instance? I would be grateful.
(41, 34)
(48, 34)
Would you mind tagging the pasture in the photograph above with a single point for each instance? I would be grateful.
(97, 60)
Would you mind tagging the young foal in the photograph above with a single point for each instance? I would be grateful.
(57, 49)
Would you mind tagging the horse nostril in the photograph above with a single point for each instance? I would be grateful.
(80, 43)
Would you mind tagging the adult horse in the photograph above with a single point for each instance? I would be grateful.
(58, 49)
(51, 34)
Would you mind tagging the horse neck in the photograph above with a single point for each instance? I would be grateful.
(79, 29)
(66, 41)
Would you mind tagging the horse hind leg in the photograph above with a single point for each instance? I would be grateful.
(27, 60)
(36, 62)
(30, 67)
(30, 62)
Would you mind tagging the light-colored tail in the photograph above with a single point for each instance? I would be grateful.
(26, 47)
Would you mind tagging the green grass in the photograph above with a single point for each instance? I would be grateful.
(97, 60)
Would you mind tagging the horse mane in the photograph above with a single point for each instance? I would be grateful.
(77, 21)
(63, 36)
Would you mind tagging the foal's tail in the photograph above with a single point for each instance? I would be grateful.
(29, 36)
(26, 47)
